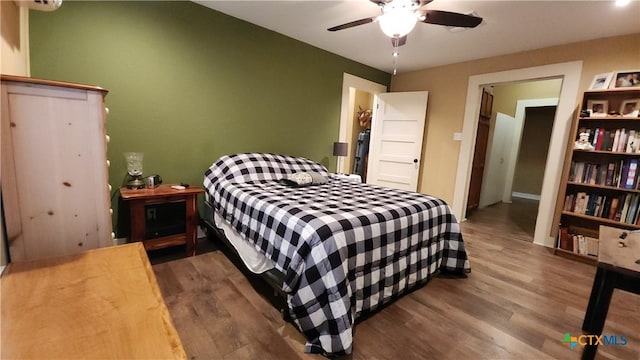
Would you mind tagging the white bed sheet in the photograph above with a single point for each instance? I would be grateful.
(255, 261)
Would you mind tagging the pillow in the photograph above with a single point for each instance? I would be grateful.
(257, 167)
(304, 179)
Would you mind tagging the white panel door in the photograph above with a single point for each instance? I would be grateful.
(396, 139)
(495, 173)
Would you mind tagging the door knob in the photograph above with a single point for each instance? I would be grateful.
(415, 161)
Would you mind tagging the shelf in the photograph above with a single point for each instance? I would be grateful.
(615, 91)
(609, 118)
(603, 187)
(602, 220)
(574, 256)
(605, 152)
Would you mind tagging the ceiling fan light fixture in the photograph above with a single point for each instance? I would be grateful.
(397, 23)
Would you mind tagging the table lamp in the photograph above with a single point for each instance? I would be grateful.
(340, 149)
(134, 168)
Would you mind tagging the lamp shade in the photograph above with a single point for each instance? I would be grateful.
(397, 22)
(340, 148)
(134, 163)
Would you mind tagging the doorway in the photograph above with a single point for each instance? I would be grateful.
(521, 138)
(356, 93)
(511, 190)
(517, 151)
(570, 74)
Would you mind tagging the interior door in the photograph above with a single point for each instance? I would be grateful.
(396, 139)
(480, 153)
(495, 175)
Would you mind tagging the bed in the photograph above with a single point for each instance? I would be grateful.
(342, 248)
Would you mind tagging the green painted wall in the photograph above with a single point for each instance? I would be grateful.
(188, 84)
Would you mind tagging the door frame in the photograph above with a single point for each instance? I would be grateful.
(351, 83)
(570, 73)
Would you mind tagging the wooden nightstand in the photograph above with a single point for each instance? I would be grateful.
(163, 217)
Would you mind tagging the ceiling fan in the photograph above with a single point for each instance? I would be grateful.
(399, 17)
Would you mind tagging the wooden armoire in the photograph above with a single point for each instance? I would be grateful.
(55, 187)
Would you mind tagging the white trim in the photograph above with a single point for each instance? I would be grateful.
(352, 82)
(521, 108)
(570, 72)
(525, 196)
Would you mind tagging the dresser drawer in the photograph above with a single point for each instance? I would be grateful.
(619, 247)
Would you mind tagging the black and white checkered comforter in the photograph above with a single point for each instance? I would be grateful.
(344, 247)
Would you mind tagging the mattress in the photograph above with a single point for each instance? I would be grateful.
(253, 259)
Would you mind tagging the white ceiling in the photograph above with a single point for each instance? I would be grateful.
(508, 27)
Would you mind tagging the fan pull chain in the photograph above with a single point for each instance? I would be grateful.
(395, 54)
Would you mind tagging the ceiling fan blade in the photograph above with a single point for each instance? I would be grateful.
(351, 24)
(398, 41)
(447, 18)
(424, 2)
(385, 2)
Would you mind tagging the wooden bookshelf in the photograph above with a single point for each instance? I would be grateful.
(574, 256)
(600, 183)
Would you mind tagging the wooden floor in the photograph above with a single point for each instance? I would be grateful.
(517, 303)
(517, 219)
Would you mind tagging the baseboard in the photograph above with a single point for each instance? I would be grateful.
(525, 196)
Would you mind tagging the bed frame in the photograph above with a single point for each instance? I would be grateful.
(263, 283)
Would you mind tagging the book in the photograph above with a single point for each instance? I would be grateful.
(624, 172)
(618, 177)
(601, 137)
(633, 209)
(582, 245)
(591, 204)
(622, 141)
(610, 141)
(580, 206)
(579, 174)
(611, 167)
(613, 208)
(631, 142)
(616, 138)
(631, 174)
(591, 246)
(569, 202)
(563, 239)
(597, 211)
(625, 207)
(602, 174)
(618, 214)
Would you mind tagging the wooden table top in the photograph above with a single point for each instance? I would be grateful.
(103, 303)
(162, 190)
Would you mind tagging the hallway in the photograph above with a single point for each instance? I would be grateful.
(517, 219)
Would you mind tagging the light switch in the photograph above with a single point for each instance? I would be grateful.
(457, 136)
